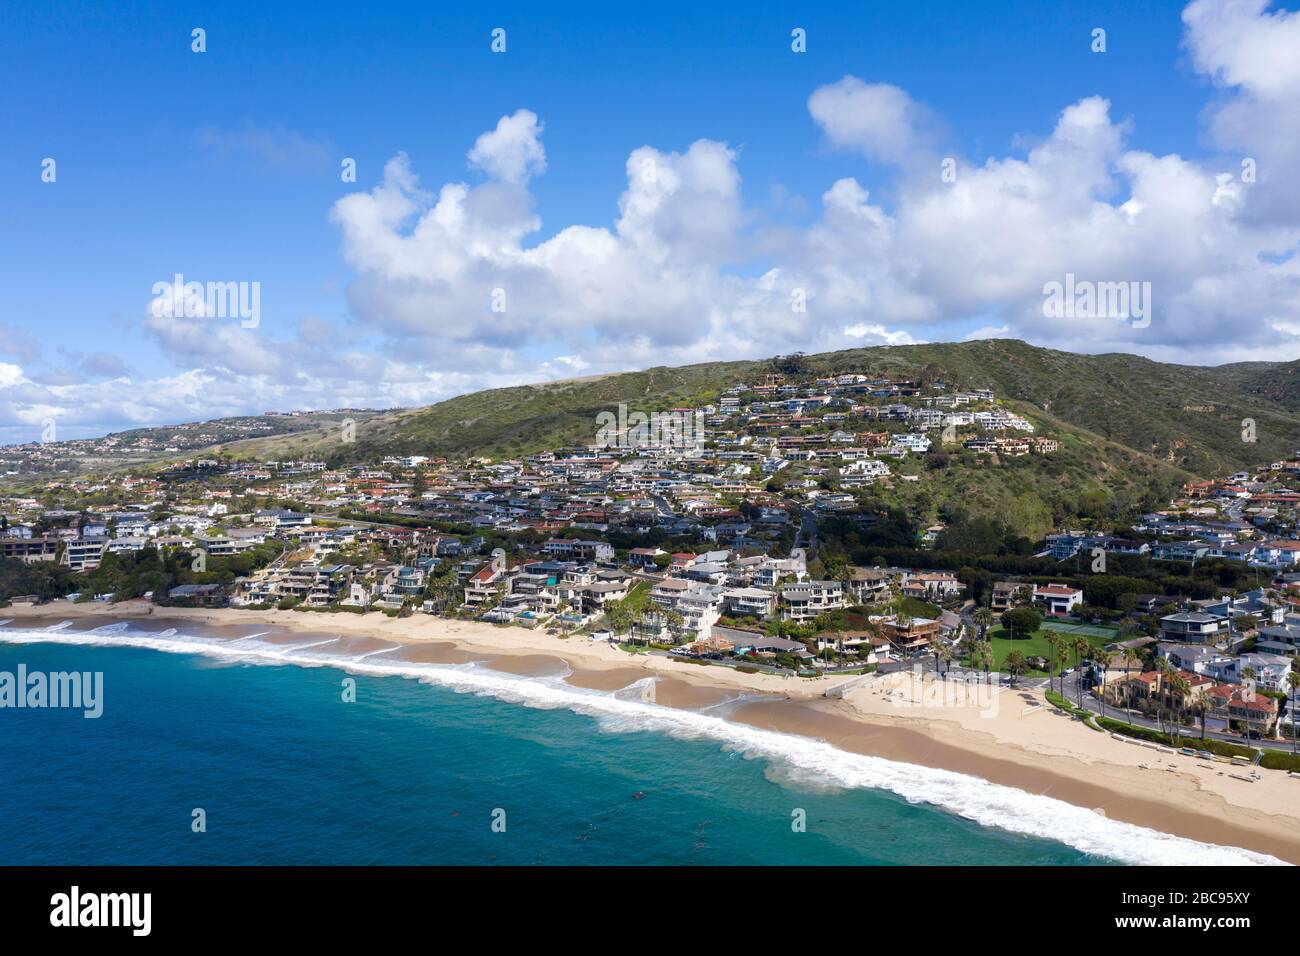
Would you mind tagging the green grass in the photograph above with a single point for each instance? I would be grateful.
(1033, 646)
(1086, 630)
(637, 597)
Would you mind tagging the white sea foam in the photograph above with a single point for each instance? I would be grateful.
(805, 760)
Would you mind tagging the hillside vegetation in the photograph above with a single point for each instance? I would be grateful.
(1188, 417)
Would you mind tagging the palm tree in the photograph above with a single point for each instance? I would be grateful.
(1181, 689)
(983, 618)
(1293, 681)
(1166, 678)
(945, 655)
(1015, 665)
(1199, 708)
(1104, 659)
(619, 618)
(982, 657)
(1053, 654)
(1082, 646)
(1062, 659)
(936, 645)
(674, 620)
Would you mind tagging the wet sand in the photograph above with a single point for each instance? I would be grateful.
(530, 665)
(435, 652)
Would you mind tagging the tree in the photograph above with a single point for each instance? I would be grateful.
(1199, 708)
(1081, 647)
(1053, 655)
(1104, 659)
(1015, 665)
(945, 655)
(619, 618)
(1166, 678)
(1022, 620)
(983, 657)
(983, 618)
(674, 620)
(1181, 689)
(1293, 682)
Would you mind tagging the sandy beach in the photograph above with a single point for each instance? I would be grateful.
(1010, 737)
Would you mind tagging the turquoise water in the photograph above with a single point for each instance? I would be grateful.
(412, 772)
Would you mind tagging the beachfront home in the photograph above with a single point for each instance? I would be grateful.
(749, 602)
(85, 554)
(197, 595)
(909, 637)
(759, 643)
(485, 584)
(807, 599)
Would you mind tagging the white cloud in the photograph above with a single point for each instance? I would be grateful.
(458, 287)
(880, 120)
(1253, 55)
(513, 151)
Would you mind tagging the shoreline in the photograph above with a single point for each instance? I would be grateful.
(1014, 738)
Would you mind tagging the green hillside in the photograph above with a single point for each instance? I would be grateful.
(1188, 417)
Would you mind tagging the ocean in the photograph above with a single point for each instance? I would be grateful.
(459, 764)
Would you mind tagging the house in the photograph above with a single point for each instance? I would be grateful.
(1009, 594)
(868, 585)
(699, 606)
(932, 585)
(749, 602)
(579, 550)
(317, 585)
(30, 549)
(1193, 626)
(85, 554)
(806, 600)
(486, 583)
(198, 595)
(909, 636)
(1241, 709)
(644, 557)
(756, 642)
(1058, 600)
(871, 648)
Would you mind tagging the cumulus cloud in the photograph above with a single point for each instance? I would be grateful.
(1253, 55)
(458, 286)
(513, 151)
(880, 120)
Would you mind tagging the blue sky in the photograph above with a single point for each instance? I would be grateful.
(224, 166)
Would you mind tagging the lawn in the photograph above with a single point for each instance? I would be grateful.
(638, 596)
(1035, 645)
